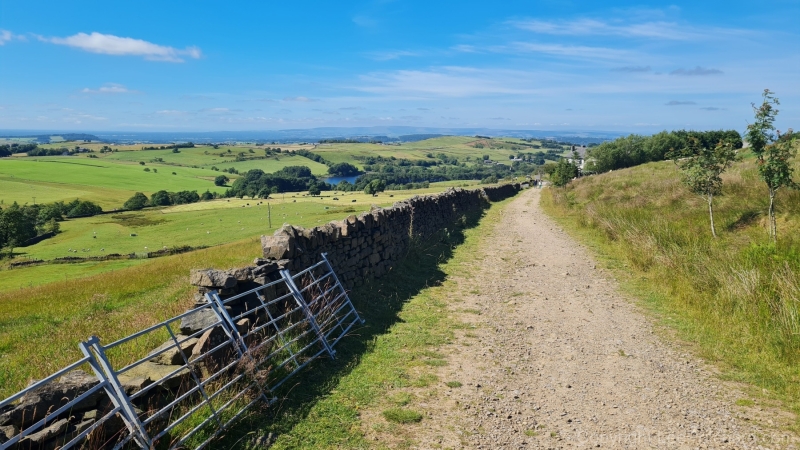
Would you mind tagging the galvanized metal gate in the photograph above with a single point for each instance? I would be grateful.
(190, 389)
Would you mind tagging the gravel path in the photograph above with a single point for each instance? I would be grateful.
(558, 358)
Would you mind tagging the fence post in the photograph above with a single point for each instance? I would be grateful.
(298, 297)
(106, 373)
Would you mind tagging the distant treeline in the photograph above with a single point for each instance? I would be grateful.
(34, 150)
(380, 139)
(402, 173)
(256, 183)
(636, 149)
(20, 224)
(164, 198)
(173, 146)
(10, 149)
(45, 138)
(382, 172)
(341, 141)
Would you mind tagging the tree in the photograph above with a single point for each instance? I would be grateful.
(221, 180)
(16, 226)
(702, 169)
(374, 187)
(563, 173)
(83, 209)
(137, 202)
(314, 190)
(160, 198)
(52, 226)
(772, 153)
(343, 170)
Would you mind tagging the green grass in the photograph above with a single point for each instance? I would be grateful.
(399, 415)
(106, 182)
(202, 224)
(41, 326)
(206, 157)
(25, 277)
(275, 164)
(737, 298)
(454, 384)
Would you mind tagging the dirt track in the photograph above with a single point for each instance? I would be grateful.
(560, 359)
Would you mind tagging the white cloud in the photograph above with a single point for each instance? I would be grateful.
(632, 69)
(696, 72)
(630, 28)
(446, 82)
(390, 55)
(465, 48)
(7, 36)
(108, 44)
(299, 99)
(679, 103)
(571, 51)
(592, 27)
(108, 88)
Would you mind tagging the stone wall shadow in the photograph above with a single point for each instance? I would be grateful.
(379, 301)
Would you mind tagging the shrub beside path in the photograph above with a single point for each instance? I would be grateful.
(556, 357)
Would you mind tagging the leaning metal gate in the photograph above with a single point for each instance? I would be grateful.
(187, 391)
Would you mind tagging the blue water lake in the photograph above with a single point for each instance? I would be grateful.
(336, 180)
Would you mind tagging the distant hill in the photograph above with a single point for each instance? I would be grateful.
(53, 137)
(360, 134)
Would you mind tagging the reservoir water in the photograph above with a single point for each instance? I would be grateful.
(336, 180)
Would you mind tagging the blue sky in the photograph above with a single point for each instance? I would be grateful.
(550, 65)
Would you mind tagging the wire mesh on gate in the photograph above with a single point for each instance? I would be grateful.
(218, 360)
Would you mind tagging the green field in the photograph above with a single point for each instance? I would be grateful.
(199, 224)
(105, 182)
(460, 147)
(26, 277)
(207, 157)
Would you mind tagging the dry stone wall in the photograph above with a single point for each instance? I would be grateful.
(358, 247)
